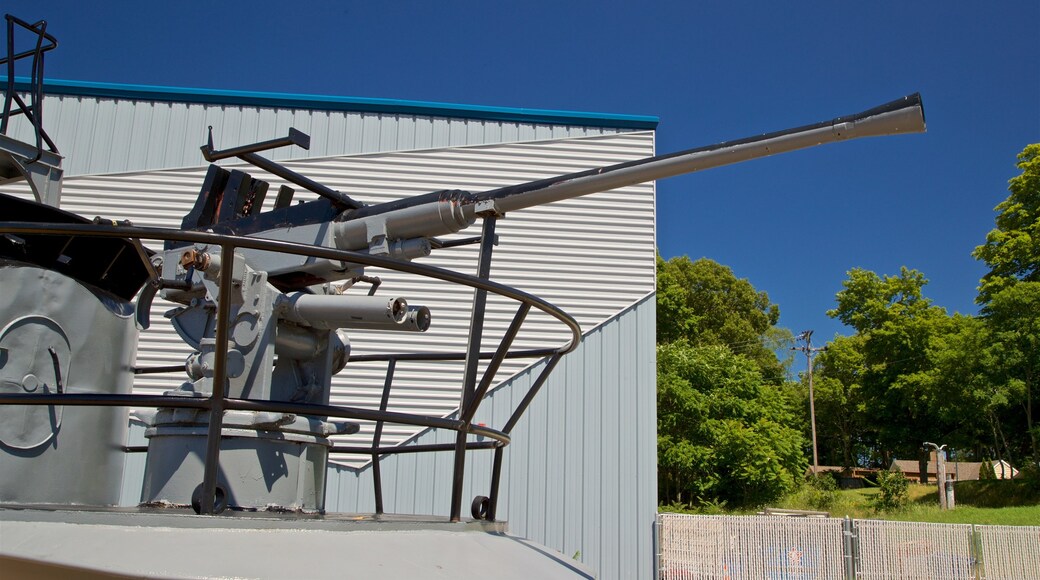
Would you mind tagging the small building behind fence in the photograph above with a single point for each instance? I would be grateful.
(958, 470)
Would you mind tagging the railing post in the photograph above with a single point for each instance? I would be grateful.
(377, 477)
(496, 477)
(216, 400)
(496, 471)
(469, 380)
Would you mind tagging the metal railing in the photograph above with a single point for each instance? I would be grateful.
(731, 547)
(34, 110)
(475, 385)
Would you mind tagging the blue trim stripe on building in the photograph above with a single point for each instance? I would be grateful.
(332, 103)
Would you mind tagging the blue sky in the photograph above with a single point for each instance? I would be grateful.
(712, 71)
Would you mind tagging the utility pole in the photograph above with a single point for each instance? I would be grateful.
(940, 474)
(809, 351)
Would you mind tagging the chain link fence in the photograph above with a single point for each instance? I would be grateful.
(913, 550)
(795, 548)
(1010, 552)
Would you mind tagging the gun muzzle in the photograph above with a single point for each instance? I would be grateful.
(417, 319)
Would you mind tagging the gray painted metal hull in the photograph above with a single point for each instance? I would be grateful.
(174, 544)
(52, 454)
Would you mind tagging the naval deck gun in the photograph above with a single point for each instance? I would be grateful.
(299, 319)
(266, 300)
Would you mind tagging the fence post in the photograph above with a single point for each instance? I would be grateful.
(975, 549)
(657, 546)
(849, 544)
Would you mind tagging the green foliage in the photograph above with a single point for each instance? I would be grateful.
(724, 435)
(1010, 503)
(1012, 249)
(893, 491)
(707, 508)
(910, 373)
(704, 303)
(1010, 292)
(842, 419)
(881, 375)
(1030, 475)
(1009, 516)
(957, 377)
(1013, 321)
(727, 434)
(998, 502)
(823, 494)
(913, 373)
(986, 470)
(868, 302)
(820, 492)
(993, 493)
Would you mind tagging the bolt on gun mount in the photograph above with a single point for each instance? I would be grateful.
(285, 314)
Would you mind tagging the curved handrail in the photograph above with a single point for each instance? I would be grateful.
(217, 402)
(295, 248)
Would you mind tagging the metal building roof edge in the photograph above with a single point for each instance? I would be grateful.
(338, 103)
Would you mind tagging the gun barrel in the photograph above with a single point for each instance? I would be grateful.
(333, 312)
(446, 212)
(905, 115)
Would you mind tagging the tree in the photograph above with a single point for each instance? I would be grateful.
(1013, 318)
(726, 430)
(1012, 249)
(867, 301)
(986, 470)
(724, 435)
(841, 409)
(896, 324)
(704, 303)
(1010, 292)
(965, 398)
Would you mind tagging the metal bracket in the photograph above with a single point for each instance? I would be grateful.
(44, 175)
(488, 208)
(298, 138)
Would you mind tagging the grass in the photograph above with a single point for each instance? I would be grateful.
(1015, 503)
(998, 493)
(1007, 516)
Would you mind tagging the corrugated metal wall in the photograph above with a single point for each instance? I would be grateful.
(107, 135)
(580, 474)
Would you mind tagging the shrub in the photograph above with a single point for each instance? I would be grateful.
(986, 470)
(821, 491)
(893, 493)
